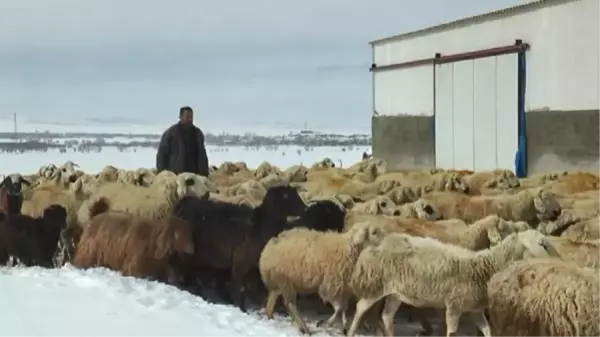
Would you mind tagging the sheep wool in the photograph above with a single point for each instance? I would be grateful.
(402, 269)
(302, 260)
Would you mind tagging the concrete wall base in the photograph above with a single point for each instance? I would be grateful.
(562, 141)
(405, 142)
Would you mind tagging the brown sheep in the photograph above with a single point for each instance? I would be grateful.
(135, 246)
(575, 182)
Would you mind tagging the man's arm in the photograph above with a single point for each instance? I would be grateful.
(162, 155)
(202, 157)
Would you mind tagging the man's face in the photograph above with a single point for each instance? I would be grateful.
(187, 117)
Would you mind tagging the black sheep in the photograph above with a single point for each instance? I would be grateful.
(32, 240)
(322, 215)
(229, 238)
(11, 198)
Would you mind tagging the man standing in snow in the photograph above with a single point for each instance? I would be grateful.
(181, 147)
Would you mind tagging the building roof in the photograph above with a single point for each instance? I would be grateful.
(508, 11)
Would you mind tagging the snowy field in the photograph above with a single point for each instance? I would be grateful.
(284, 156)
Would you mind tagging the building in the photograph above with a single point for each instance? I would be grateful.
(516, 89)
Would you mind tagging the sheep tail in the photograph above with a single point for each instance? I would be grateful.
(99, 206)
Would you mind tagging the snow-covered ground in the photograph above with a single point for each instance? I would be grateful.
(284, 156)
(100, 302)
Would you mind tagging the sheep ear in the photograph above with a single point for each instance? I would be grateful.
(25, 182)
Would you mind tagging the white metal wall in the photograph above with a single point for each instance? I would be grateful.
(476, 113)
(404, 91)
(562, 65)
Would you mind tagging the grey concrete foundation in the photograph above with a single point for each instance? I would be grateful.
(405, 142)
(562, 141)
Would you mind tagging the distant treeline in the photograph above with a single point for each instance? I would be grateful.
(95, 141)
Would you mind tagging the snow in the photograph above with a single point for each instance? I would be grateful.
(100, 302)
(284, 156)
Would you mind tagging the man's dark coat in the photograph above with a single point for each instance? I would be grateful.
(171, 151)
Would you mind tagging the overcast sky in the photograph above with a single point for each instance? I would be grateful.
(241, 62)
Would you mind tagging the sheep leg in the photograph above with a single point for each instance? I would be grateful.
(481, 322)
(271, 303)
(339, 308)
(392, 303)
(289, 300)
(452, 320)
(362, 306)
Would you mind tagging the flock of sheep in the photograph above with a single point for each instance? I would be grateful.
(520, 256)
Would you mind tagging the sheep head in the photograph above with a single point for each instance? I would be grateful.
(546, 205)
(13, 183)
(365, 234)
(296, 174)
(190, 184)
(535, 244)
(425, 210)
(402, 194)
(380, 205)
(453, 181)
(144, 177)
(85, 185)
(505, 180)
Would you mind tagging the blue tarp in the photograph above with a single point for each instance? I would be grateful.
(521, 155)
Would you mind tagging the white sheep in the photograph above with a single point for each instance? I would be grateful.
(424, 272)
(154, 202)
(544, 297)
(305, 261)
(480, 235)
(531, 206)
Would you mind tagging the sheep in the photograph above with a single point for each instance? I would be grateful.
(582, 253)
(36, 200)
(296, 174)
(422, 183)
(425, 272)
(378, 205)
(544, 297)
(324, 163)
(135, 246)
(155, 202)
(531, 206)
(306, 261)
(402, 195)
(108, 174)
(33, 240)
(419, 209)
(230, 237)
(11, 198)
(323, 215)
(265, 169)
(496, 179)
(584, 230)
(84, 186)
(480, 235)
(575, 182)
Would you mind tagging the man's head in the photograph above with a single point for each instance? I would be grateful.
(186, 115)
